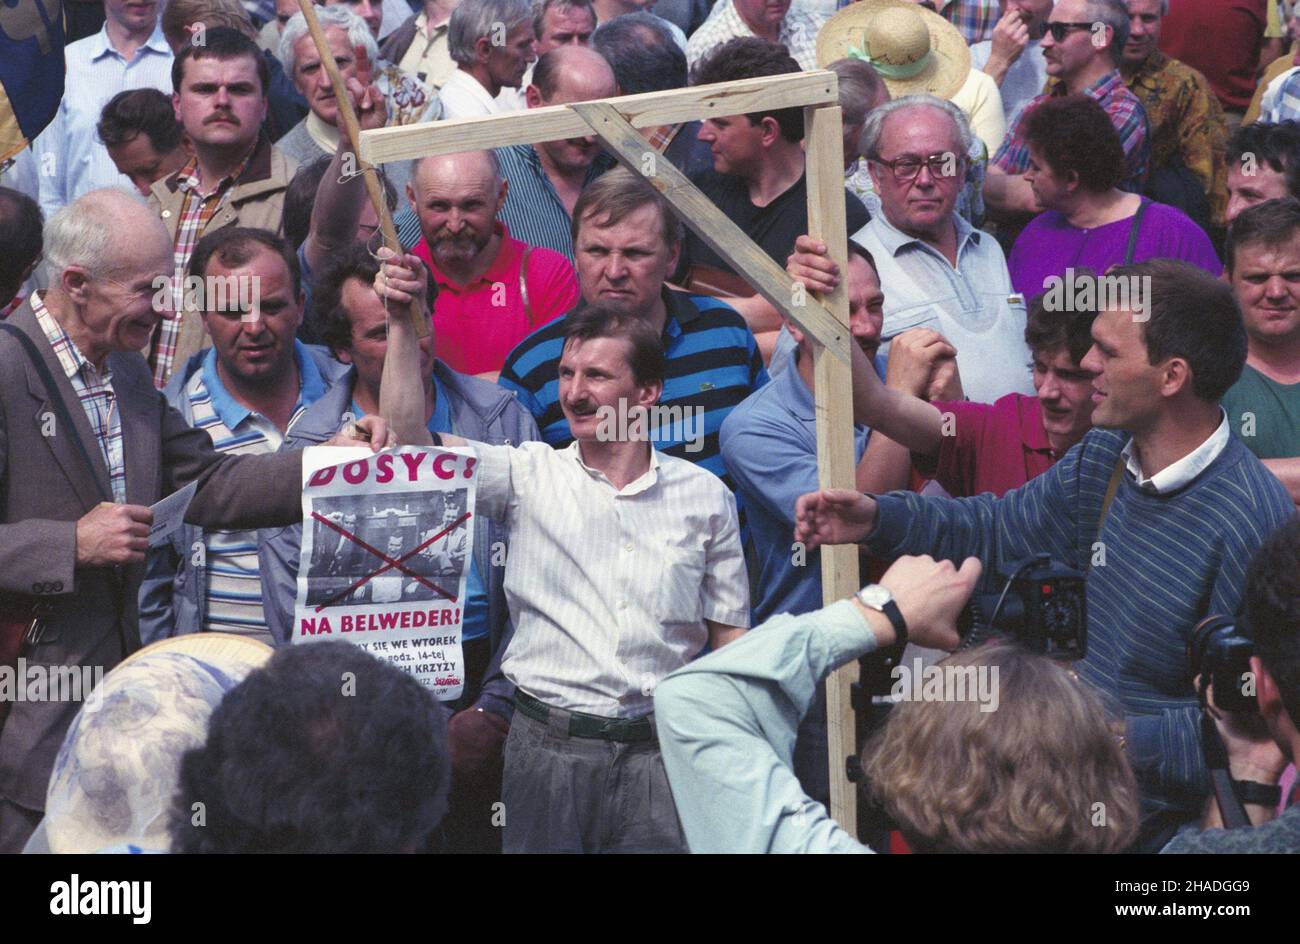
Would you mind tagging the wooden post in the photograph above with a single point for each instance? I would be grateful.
(836, 462)
(348, 125)
(825, 321)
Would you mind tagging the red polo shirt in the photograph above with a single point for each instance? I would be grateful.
(477, 325)
(995, 447)
(1221, 39)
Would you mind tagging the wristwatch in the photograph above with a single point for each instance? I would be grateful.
(1258, 794)
(875, 597)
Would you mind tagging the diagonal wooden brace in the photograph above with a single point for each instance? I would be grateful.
(709, 223)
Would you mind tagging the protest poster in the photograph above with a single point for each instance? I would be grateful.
(386, 551)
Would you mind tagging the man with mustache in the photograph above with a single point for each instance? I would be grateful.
(235, 178)
(1083, 47)
(493, 289)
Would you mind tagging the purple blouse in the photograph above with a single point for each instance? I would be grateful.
(1049, 245)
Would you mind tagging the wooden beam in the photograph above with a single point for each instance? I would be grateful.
(709, 223)
(352, 130)
(557, 122)
(833, 381)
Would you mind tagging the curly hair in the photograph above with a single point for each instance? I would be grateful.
(324, 749)
(333, 321)
(749, 57)
(1273, 610)
(1074, 133)
(1026, 777)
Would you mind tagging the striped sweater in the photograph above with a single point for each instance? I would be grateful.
(1169, 561)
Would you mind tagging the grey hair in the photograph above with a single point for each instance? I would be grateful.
(869, 141)
(88, 232)
(541, 6)
(1113, 13)
(860, 85)
(339, 17)
(413, 167)
(474, 19)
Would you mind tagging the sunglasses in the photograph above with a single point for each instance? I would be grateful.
(1061, 30)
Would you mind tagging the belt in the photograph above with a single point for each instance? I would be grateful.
(584, 725)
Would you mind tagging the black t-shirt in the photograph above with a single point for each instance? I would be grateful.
(774, 227)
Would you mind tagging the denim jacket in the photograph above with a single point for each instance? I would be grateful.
(172, 598)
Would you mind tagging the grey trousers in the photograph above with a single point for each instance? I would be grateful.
(566, 794)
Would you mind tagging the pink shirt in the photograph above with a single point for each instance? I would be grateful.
(996, 447)
(477, 325)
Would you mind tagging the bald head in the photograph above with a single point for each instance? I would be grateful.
(572, 74)
(479, 168)
(457, 198)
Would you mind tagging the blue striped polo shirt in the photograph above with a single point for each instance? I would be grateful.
(712, 365)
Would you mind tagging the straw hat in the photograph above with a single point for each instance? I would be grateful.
(914, 50)
(117, 770)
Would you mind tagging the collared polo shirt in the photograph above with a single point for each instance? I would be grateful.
(973, 305)
(994, 447)
(234, 590)
(769, 443)
(464, 96)
(428, 57)
(712, 365)
(477, 325)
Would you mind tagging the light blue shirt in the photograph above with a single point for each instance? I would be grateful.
(972, 304)
(769, 444)
(475, 624)
(70, 158)
(1025, 78)
(727, 725)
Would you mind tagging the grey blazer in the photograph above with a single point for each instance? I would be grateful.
(88, 616)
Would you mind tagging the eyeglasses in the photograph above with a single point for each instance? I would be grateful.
(908, 167)
(1062, 29)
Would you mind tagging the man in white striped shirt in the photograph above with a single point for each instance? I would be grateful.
(624, 562)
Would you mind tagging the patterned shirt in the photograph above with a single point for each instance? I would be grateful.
(197, 210)
(975, 19)
(1126, 114)
(798, 32)
(1186, 122)
(94, 390)
(234, 583)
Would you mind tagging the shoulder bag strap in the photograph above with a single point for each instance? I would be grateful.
(523, 285)
(51, 388)
(1133, 231)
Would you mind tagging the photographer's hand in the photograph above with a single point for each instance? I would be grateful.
(930, 594)
(1252, 756)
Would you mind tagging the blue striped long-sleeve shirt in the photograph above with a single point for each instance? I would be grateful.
(1162, 563)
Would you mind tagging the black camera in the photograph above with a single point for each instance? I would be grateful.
(1219, 651)
(1042, 607)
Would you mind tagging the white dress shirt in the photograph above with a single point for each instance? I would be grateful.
(1180, 473)
(463, 96)
(71, 160)
(609, 588)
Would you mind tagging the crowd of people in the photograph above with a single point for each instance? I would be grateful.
(1073, 280)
